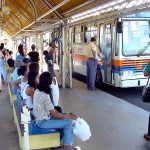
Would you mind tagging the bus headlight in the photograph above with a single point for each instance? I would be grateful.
(126, 73)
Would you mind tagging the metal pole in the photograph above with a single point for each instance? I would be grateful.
(70, 57)
(41, 52)
(63, 57)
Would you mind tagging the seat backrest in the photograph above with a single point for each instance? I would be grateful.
(33, 129)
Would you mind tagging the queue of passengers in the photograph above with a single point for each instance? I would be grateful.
(37, 91)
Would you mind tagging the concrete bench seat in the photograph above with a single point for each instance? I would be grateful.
(12, 96)
(38, 139)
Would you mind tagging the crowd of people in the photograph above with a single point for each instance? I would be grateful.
(39, 92)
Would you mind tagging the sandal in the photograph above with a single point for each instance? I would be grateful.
(147, 136)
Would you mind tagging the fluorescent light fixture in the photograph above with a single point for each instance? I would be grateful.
(110, 6)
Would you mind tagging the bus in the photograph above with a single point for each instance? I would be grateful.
(125, 43)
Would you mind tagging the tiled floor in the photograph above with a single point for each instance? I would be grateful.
(115, 124)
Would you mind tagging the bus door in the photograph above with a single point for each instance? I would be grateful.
(108, 54)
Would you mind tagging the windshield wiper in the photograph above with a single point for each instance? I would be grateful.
(143, 50)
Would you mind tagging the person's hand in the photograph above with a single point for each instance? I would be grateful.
(72, 116)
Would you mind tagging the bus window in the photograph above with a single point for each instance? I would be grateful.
(90, 31)
(102, 37)
(78, 36)
(136, 37)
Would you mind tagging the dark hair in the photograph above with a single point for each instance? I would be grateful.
(20, 49)
(31, 79)
(10, 62)
(10, 52)
(26, 60)
(2, 45)
(34, 67)
(45, 53)
(45, 82)
(93, 39)
(22, 70)
(33, 46)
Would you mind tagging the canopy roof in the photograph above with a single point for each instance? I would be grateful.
(24, 14)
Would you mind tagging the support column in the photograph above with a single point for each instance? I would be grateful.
(41, 52)
(63, 58)
(36, 39)
(70, 58)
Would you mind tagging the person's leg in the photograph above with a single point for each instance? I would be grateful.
(65, 124)
(87, 72)
(147, 136)
(3, 70)
(93, 68)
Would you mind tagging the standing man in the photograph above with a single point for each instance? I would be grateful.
(91, 64)
(33, 55)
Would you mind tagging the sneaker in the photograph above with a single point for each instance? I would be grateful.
(147, 136)
(77, 148)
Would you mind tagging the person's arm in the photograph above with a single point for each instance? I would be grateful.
(94, 51)
(147, 70)
(38, 57)
(16, 84)
(30, 91)
(56, 114)
(146, 73)
(94, 54)
(29, 55)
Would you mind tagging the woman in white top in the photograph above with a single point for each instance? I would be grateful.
(21, 83)
(33, 80)
(2, 66)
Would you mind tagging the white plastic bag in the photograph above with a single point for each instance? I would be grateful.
(55, 92)
(81, 129)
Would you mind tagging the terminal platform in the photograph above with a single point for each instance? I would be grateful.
(115, 124)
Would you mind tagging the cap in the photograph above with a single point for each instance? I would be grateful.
(26, 60)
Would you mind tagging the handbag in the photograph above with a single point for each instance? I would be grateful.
(81, 129)
(146, 93)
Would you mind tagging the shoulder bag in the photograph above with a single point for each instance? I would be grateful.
(146, 93)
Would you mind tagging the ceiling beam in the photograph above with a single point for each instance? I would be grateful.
(20, 11)
(77, 7)
(48, 12)
(53, 9)
(55, 12)
(17, 19)
(34, 9)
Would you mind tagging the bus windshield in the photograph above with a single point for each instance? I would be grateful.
(136, 37)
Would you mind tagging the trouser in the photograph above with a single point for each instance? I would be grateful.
(65, 124)
(3, 70)
(91, 72)
(51, 70)
(149, 126)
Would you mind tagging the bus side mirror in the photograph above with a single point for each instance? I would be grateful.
(119, 27)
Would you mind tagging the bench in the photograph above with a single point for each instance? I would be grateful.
(0, 81)
(11, 95)
(38, 138)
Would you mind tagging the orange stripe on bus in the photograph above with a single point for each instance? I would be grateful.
(129, 62)
(79, 56)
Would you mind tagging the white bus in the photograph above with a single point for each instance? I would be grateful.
(125, 43)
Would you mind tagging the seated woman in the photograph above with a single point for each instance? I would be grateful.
(28, 92)
(45, 114)
(54, 86)
(21, 83)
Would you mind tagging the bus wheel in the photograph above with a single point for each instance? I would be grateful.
(99, 80)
